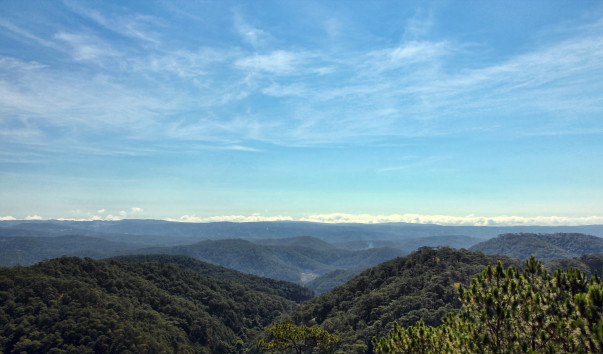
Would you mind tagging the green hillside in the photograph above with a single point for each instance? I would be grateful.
(406, 289)
(329, 281)
(545, 247)
(412, 244)
(270, 286)
(87, 306)
(299, 241)
(588, 263)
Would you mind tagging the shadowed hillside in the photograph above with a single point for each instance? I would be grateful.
(270, 286)
(26, 250)
(545, 247)
(284, 262)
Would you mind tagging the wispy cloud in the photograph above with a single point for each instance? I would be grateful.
(136, 26)
(407, 54)
(316, 96)
(24, 33)
(87, 47)
(256, 37)
(279, 62)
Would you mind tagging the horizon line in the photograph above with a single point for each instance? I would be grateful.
(342, 218)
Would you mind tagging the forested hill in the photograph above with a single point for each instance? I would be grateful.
(270, 286)
(412, 244)
(85, 306)
(299, 241)
(27, 250)
(588, 263)
(420, 285)
(544, 246)
(283, 262)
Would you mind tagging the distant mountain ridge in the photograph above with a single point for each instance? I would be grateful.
(545, 247)
(281, 229)
(27, 250)
(286, 260)
(412, 244)
(298, 241)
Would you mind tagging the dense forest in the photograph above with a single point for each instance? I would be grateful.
(545, 247)
(83, 305)
(513, 311)
(403, 289)
(270, 286)
(174, 303)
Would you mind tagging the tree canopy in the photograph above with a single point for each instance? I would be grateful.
(513, 311)
(286, 335)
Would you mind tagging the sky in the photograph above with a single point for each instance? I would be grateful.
(449, 112)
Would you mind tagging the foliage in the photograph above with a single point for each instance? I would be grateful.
(270, 286)
(588, 263)
(543, 246)
(327, 282)
(406, 289)
(513, 311)
(82, 305)
(286, 335)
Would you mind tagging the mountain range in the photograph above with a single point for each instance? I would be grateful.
(286, 259)
(161, 302)
(308, 260)
(544, 246)
(159, 231)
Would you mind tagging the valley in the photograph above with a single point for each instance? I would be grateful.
(165, 292)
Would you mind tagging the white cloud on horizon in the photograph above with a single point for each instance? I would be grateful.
(34, 217)
(336, 218)
(230, 218)
(469, 220)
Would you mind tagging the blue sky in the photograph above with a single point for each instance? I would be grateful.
(470, 112)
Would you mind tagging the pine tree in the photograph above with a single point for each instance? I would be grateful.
(512, 311)
(284, 336)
